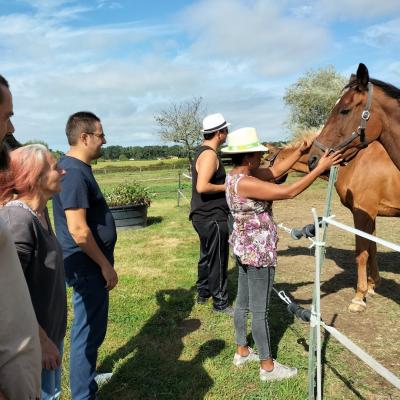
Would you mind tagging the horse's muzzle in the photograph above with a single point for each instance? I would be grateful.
(313, 162)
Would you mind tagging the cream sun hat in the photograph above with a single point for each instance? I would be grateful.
(214, 122)
(243, 140)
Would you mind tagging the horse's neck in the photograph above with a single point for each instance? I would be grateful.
(390, 136)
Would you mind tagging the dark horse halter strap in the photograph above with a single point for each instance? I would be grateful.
(360, 132)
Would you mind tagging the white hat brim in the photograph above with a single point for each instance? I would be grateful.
(216, 129)
(256, 149)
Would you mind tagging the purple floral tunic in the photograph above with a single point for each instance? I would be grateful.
(254, 237)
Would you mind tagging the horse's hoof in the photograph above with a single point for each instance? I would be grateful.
(357, 306)
(371, 291)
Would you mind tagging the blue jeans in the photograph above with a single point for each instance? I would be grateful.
(254, 291)
(51, 380)
(90, 301)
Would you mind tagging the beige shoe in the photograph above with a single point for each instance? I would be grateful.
(239, 360)
(279, 372)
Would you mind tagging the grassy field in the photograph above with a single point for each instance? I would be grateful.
(160, 344)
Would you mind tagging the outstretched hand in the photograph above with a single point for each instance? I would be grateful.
(307, 143)
(327, 160)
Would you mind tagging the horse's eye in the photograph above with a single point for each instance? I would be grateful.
(344, 111)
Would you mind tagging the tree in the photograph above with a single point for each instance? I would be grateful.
(181, 123)
(312, 97)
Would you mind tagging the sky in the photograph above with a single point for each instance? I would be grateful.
(126, 60)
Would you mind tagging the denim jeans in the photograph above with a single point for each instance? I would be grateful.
(90, 301)
(254, 291)
(51, 380)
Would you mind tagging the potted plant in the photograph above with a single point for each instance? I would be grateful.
(128, 203)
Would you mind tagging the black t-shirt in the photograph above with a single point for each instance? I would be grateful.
(79, 189)
(208, 206)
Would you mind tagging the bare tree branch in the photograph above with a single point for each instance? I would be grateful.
(181, 123)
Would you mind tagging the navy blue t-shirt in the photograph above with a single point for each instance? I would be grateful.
(79, 189)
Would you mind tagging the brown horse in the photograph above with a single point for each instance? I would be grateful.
(368, 110)
(353, 185)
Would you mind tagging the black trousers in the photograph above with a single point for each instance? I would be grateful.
(213, 262)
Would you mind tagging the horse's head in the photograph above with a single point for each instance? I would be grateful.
(354, 121)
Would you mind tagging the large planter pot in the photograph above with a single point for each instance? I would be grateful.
(129, 217)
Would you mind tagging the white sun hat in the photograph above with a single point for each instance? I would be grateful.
(243, 140)
(213, 123)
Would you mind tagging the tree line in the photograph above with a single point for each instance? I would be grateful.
(141, 152)
(127, 153)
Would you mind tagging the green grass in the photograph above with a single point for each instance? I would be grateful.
(160, 344)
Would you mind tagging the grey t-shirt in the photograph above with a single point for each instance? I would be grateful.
(41, 258)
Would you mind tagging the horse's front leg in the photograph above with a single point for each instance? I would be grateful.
(365, 223)
(373, 269)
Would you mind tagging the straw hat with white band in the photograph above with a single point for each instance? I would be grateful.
(243, 140)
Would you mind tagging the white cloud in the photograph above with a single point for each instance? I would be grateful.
(239, 55)
(382, 35)
(255, 36)
(329, 10)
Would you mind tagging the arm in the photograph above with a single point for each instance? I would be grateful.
(206, 165)
(257, 189)
(83, 237)
(51, 358)
(279, 169)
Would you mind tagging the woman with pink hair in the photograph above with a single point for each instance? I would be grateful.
(25, 188)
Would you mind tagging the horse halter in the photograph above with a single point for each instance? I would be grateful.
(271, 159)
(359, 133)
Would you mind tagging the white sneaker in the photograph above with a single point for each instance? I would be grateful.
(279, 372)
(103, 378)
(238, 360)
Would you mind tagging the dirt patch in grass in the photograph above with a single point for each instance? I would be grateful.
(375, 330)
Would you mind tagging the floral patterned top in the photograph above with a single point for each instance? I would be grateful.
(254, 238)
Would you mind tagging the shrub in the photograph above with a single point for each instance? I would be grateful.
(127, 194)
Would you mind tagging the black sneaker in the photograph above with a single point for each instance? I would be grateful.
(201, 300)
(227, 310)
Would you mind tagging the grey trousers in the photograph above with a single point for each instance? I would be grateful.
(254, 291)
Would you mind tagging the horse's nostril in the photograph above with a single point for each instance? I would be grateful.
(312, 162)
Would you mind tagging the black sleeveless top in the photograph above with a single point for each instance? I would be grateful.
(208, 206)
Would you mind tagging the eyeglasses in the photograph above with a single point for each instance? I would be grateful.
(99, 135)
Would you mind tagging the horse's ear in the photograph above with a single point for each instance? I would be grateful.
(362, 75)
(353, 78)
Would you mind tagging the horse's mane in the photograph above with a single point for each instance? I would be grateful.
(301, 136)
(389, 89)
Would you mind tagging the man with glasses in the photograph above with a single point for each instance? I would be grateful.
(209, 215)
(86, 230)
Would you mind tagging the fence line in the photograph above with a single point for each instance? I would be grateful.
(180, 193)
(316, 322)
